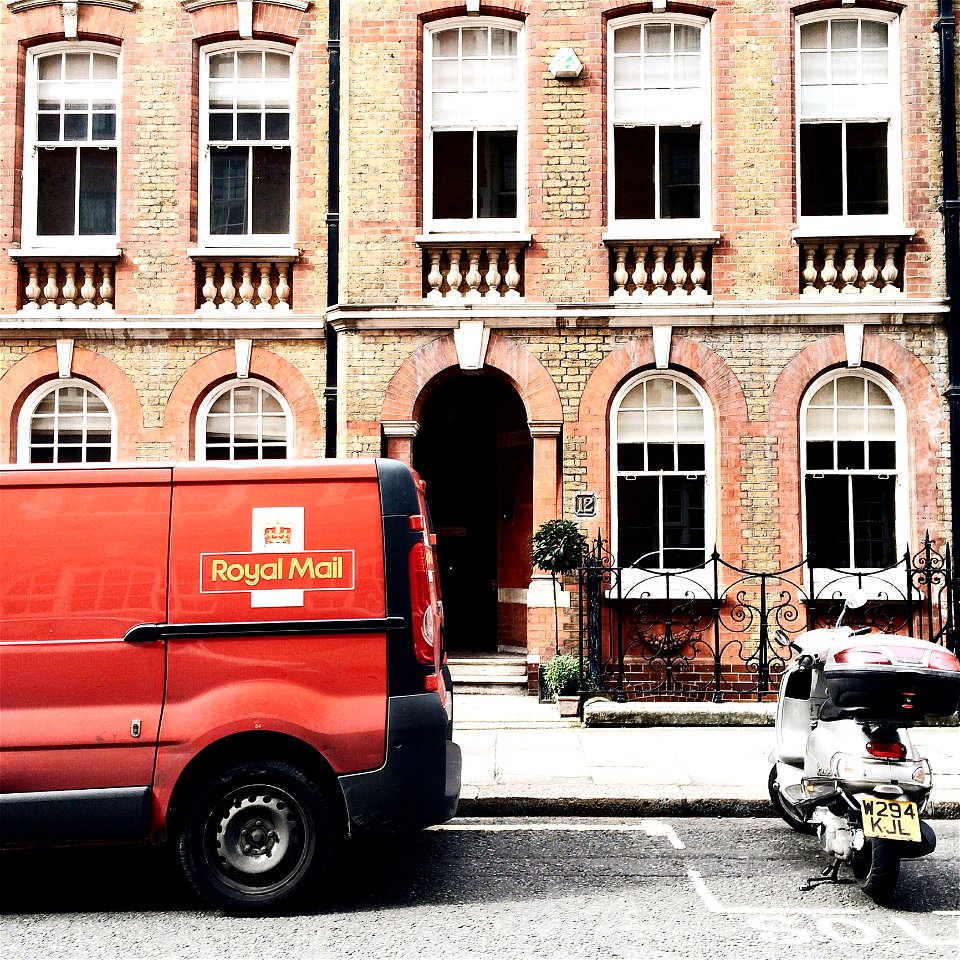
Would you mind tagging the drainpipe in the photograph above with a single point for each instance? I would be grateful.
(333, 223)
(946, 26)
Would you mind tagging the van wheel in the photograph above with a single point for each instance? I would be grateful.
(260, 838)
(877, 868)
(783, 810)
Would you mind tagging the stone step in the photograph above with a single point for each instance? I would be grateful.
(496, 675)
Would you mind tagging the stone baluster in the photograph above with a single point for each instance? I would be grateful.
(698, 275)
(283, 288)
(639, 275)
(850, 272)
(659, 275)
(209, 289)
(88, 290)
(32, 290)
(493, 273)
(679, 275)
(889, 273)
(247, 289)
(264, 290)
(513, 274)
(227, 290)
(106, 287)
(50, 288)
(454, 277)
(69, 287)
(870, 272)
(829, 272)
(810, 270)
(620, 275)
(474, 277)
(435, 276)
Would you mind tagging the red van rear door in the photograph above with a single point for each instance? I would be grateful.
(83, 559)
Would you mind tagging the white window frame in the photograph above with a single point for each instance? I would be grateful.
(29, 408)
(857, 224)
(633, 580)
(96, 245)
(698, 112)
(902, 471)
(517, 122)
(241, 241)
(220, 390)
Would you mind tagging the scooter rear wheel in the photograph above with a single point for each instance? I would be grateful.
(783, 811)
(877, 868)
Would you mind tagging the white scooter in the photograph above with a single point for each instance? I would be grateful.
(844, 766)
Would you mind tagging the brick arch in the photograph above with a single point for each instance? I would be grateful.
(926, 420)
(731, 422)
(271, 18)
(36, 368)
(43, 23)
(206, 373)
(406, 392)
(622, 8)
(429, 10)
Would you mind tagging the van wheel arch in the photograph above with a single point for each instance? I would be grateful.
(251, 748)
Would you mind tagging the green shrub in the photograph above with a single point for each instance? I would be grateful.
(562, 675)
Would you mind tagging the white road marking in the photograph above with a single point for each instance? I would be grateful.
(714, 905)
(652, 828)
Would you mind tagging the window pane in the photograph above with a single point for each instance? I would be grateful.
(76, 66)
(104, 67)
(627, 40)
(873, 521)
(821, 165)
(497, 174)
(98, 192)
(277, 126)
(638, 505)
(631, 426)
(883, 455)
(867, 168)
(446, 43)
(828, 520)
(661, 456)
(248, 126)
(657, 38)
(271, 190)
(813, 36)
(820, 455)
(75, 126)
(630, 457)
(56, 191)
(851, 454)
(634, 173)
(679, 172)
(683, 522)
(686, 39)
(452, 163)
(228, 190)
(843, 34)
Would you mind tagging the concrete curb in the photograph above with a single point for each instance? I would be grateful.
(606, 713)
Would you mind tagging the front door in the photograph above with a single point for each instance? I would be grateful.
(459, 452)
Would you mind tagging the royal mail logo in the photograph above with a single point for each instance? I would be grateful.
(277, 533)
(301, 570)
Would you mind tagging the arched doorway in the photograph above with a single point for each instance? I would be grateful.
(475, 452)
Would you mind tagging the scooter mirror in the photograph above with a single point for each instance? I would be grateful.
(857, 599)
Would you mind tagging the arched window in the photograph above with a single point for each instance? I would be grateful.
(244, 420)
(852, 429)
(662, 449)
(473, 126)
(69, 421)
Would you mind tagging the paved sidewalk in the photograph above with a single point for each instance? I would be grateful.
(521, 758)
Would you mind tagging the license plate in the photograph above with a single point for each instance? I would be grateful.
(890, 819)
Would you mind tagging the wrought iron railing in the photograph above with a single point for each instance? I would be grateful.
(719, 632)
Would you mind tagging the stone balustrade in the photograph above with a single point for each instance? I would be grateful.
(244, 286)
(457, 272)
(651, 271)
(67, 286)
(852, 267)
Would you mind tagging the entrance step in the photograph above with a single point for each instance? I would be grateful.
(501, 674)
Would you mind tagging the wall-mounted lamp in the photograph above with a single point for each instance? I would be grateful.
(566, 65)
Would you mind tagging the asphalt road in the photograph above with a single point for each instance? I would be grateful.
(517, 888)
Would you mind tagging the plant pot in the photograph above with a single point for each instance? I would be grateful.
(569, 706)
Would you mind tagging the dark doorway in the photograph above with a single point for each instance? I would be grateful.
(475, 453)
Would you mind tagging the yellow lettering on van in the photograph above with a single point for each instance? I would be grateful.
(218, 570)
(301, 569)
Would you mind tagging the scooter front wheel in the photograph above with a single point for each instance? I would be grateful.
(877, 868)
(783, 810)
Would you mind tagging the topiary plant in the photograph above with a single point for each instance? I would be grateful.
(562, 675)
(558, 547)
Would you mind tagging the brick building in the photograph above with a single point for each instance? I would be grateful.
(676, 269)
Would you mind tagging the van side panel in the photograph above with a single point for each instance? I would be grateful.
(80, 707)
(254, 548)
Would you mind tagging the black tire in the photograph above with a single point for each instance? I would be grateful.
(877, 868)
(784, 811)
(260, 838)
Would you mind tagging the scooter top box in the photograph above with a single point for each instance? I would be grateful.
(879, 676)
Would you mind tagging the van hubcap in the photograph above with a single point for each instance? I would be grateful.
(258, 829)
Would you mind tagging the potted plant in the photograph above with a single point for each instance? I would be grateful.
(562, 678)
(558, 547)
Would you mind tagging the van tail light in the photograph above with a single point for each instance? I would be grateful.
(883, 750)
(422, 602)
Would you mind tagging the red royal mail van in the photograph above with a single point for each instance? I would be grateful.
(241, 659)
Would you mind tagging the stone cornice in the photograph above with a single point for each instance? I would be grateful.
(19, 6)
(191, 6)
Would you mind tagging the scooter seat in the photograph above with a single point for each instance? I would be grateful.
(830, 711)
